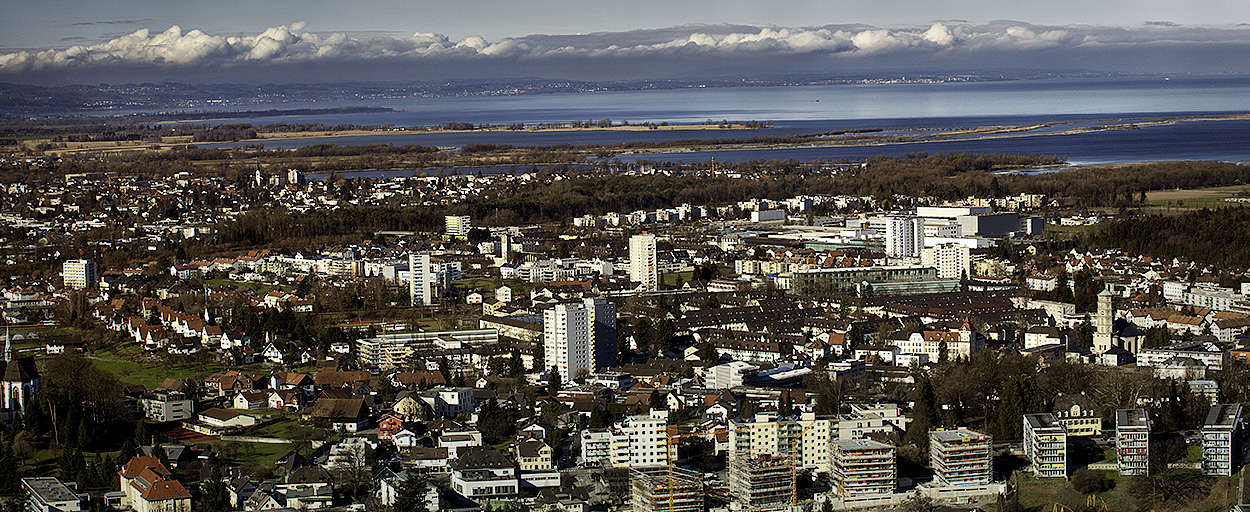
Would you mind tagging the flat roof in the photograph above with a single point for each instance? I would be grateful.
(1042, 420)
(859, 444)
(1222, 415)
(50, 489)
(948, 436)
(1132, 418)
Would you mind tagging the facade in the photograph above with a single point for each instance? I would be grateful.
(79, 274)
(642, 262)
(596, 447)
(50, 494)
(904, 236)
(964, 343)
(863, 470)
(1046, 445)
(729, 375)
(1132, 442)
(165, 405)
(761, 481)
(602, 332)
(664, 489)
(420, 288)
(640, 441)
(832, 280)
(960, 457)
(1222, 440)
(458, 226)
(566, 339)
(952, 261)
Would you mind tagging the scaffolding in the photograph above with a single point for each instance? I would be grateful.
(761, 482)
(661, 489)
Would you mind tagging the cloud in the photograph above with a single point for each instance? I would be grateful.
(177, 49)
(1162, 24)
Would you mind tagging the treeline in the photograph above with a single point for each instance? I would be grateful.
(1219, 236)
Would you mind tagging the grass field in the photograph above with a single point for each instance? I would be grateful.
(1197, 198)
(152, 374)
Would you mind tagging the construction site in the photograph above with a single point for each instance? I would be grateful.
(760, 482)
(666, 489)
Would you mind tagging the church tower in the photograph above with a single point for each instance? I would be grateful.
(1103, 321)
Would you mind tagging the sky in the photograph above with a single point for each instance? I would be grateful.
(78, 41)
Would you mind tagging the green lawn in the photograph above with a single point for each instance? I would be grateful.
(675, 280)
(1069, 229)
(153, 374)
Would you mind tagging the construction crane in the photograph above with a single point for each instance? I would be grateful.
(675, 437)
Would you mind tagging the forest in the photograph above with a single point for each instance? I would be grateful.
(1218, 236)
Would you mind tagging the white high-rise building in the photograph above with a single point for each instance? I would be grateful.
(419, 288)
(904, 236)
(566, 339)
(642, 264)
(79, 274)
(458, 226)
(952, 261)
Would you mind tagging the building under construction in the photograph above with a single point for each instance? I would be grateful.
(665, 489)
(761, 482)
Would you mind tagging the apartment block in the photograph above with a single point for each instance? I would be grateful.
(1046, 445)
(1132, 442)
(640, 441)
(79, 274)
(863, 470)
(761, 482)
(664, 489)
(960, 457)
(1221, 440)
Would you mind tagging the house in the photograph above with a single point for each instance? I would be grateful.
(240, 489)
(292, 380)
(388, 425)
(533, 455)
(250, 400)
(410, 407)
(404, 438)
(149, 487)
(307, 488)
(342, 414)
(291, 399)
(389, 484)
(482, 473)
(224, 419)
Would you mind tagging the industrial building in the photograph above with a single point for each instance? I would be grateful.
(762, 481)
(1046, 445)
(1221, 440)
(665, 489)
(960, 457)
(1132, 442)
(863, 470)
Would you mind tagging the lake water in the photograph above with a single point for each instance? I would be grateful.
(809, 109)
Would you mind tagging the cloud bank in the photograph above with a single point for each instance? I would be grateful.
(178, 50)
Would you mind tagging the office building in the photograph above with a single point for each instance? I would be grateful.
(420, 288)
(458, 226)
(603, 348)
(1221, 440)
(863, 470)
(566, 339)
(952, 261)
(79, 274)
(761, 482)
(904, 236)
(663, 489)
(642, 262)
(960, 458)
(1132, 442)
(1046, 445)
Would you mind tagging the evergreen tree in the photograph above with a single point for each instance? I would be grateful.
(554, 385)
(924, 414)
(411, 495)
